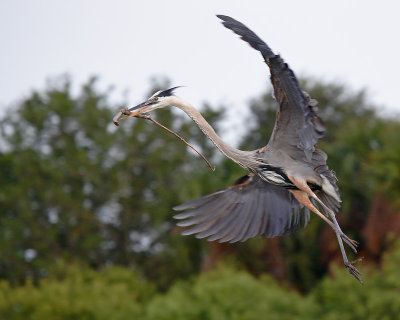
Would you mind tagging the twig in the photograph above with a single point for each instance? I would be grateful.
(178, 136)
(148, 117)
(117, 116)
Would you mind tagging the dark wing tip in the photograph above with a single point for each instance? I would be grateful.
(225, 18)
(247, 35)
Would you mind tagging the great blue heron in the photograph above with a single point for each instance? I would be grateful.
(285, 175)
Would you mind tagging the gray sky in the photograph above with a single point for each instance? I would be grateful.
(126, 42)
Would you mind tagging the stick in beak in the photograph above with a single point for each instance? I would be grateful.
(137, 114)
(127, 112)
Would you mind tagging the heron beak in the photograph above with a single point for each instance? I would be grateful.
(137, 113)
(128, 113)
(144, 107)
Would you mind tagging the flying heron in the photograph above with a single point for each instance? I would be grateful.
(286, 175)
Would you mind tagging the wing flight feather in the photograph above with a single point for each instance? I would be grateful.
(249, 208)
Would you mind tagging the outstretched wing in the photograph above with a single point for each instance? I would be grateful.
(249, 208)
(297, 124)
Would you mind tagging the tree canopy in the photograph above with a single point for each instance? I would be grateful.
(76, 190)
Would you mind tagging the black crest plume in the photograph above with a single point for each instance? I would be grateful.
(168, 92)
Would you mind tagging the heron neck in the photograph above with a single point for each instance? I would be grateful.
(236, 155)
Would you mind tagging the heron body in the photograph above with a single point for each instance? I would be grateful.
(287, 177)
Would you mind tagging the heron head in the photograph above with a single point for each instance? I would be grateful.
(158, 100)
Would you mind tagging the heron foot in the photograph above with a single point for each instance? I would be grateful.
(350, 242)
(353, 270)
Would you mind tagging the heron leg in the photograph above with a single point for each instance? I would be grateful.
(304, 199)
(351, 243)
(302, 185)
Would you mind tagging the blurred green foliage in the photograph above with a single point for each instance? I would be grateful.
(378, 298)
(81, 293)
(86, 227)
(75, 187)
(224, 293)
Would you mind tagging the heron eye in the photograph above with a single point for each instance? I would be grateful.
(155, 98)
